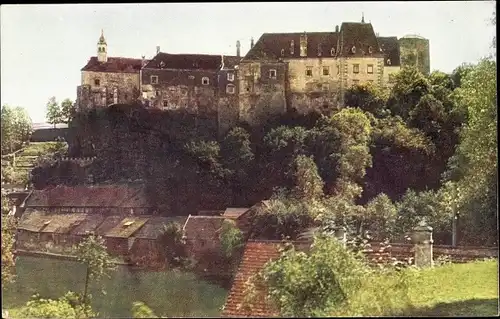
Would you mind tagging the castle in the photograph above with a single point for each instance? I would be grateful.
(300, 72)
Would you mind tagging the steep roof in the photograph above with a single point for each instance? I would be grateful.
(114, 65)
(270, 45)
(361, 36)
(390, 47)
(255, 256)
(86, 196)
(351, 34)
(189, 61)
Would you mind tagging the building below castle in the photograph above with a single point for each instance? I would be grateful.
(282, 72)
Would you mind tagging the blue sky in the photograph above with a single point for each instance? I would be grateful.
(43, 47)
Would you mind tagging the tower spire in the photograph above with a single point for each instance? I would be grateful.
(102, 48)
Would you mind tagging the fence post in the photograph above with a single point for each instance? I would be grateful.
(422, 240)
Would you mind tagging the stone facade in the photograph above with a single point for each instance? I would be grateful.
(282, 72)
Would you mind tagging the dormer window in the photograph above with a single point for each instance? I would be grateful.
(205, 81)
(388, 61)
(319, 50)
(282, 52)
(332, 52)
(353, 49)
(272, 74)
(370, 50)
(230, 77)
(154, 79)
(162, 64)
(292, 47)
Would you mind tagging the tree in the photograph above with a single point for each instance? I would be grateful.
(54, 113)
(368, 98)
(67, 111)
(409, 87)
(16, 128)
(473, 170)
(308, 183)
(231, 238)
(92, 253)
(8, 230)
(141, 310)
(303, 284)
(66, 307)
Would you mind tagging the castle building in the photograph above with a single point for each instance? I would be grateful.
(108, 80)
(282, 72)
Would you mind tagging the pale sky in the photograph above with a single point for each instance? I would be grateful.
(43, 47)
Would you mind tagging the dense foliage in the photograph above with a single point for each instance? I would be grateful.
(67, 307)
(383, 141)
(8, 231)
(231, 238)
(16, 128)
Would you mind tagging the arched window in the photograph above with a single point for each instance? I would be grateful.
(332, 52)
(370, 50)
(353, 50)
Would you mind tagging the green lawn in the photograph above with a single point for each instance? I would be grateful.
(456, 290)
(37, 148)
(171, 294)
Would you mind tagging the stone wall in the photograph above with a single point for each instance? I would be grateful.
(105, 88)
(262, 90)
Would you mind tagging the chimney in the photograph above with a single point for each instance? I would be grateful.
(238, 48)
(143, 60)
(303, 44)
(337, 28)
(157, 49)
(251, 43)
(222, 62)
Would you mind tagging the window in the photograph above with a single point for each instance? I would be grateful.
(332, 52)
(338, 69)
(272, 74)
(165, 103)
(355, 82)
(353, 50)
(97, 82)
(388, 61)
(370, 50)
(230, 89)
(154, 79)
(157, 93)
(230, 77)
(369, 69)
(292, 47)
(355, 68)
(309, 71)
(326, 70)
(205, 81)
(282, 52)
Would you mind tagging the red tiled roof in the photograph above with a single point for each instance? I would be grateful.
(84, 196)
(115, 65)
(255, 256)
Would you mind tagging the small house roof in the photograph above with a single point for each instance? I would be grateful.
(127, 227)
(235, 213)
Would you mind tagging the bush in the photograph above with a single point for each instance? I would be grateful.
(230, 237)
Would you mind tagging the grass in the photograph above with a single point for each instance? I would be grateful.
(469, 289)
(450, 290)
(171, 294)
(38, 148)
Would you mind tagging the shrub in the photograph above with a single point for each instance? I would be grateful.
(230, 238)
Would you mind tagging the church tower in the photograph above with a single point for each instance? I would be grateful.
(102, 49)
